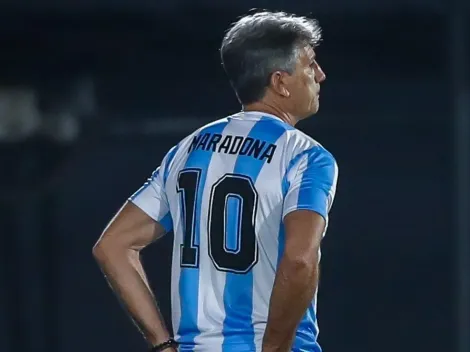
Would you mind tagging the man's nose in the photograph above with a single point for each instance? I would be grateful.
(319, 75)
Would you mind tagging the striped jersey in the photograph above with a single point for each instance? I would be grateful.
(224, 191)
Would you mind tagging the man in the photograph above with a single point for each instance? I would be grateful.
(247, 197)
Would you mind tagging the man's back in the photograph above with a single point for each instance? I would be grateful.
(228, 186)
(248, 200)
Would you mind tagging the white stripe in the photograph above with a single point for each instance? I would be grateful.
(211, 313)
(270, 207)
(291, 201)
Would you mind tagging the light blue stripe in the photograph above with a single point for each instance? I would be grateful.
(189, 279)
(233, 205)
(238, 291)
(166, 222)
(307, 324)
(307, 333)
(317, 182)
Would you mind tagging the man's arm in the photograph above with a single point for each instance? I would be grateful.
(296, 279)
(118, 254)
(311, 190)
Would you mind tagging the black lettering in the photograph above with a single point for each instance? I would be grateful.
(194, 143)
(203, 143)
(256, 149)
(237, 143)
(247, 143)
(269, 153)
(213, 142)
(225, 144)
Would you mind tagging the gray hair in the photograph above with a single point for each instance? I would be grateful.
(257, 45)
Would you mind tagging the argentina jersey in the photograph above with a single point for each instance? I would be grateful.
(224, 191)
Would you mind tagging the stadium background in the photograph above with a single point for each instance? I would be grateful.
(94, 92)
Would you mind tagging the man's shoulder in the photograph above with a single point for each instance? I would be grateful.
(186, 142)
(216, 124)
(219, 123)
(300, 143)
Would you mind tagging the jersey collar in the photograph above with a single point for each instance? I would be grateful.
(259, 115)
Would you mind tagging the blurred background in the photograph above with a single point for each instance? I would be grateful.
(93, 93)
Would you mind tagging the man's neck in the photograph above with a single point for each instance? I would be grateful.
(271, 109)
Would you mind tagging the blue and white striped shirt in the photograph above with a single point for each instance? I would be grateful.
(224, 191)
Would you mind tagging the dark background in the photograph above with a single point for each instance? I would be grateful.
(94, 92)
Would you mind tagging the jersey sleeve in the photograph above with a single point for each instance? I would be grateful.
(311, 182)
(152, 198)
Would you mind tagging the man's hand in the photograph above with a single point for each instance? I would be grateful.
(117, 253)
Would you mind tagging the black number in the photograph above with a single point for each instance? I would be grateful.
(245, 256)
(188, 182)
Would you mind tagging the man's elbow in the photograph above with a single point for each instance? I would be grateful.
(303, 264)
(104, 247)
(306, 261)
(99, 251)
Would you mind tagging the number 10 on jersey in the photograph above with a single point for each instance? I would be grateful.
(240, 187)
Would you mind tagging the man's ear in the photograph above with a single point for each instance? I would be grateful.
(278, 83)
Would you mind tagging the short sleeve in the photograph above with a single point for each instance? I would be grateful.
(152, 198)
(311, 182)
